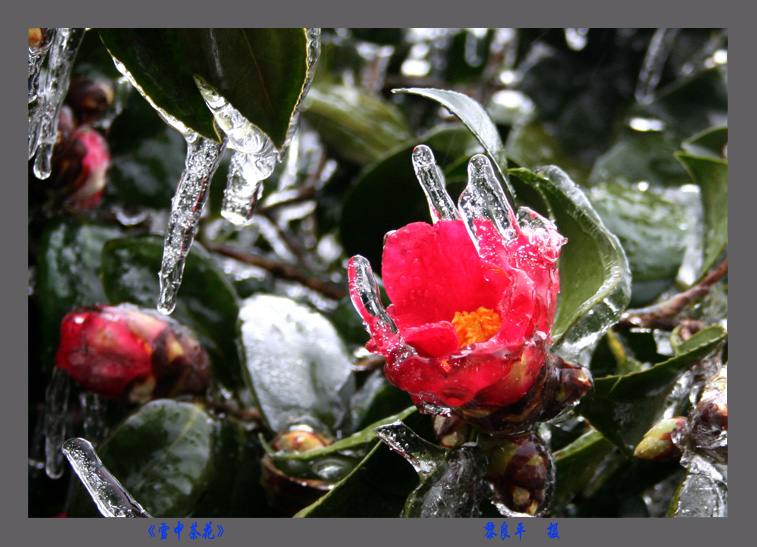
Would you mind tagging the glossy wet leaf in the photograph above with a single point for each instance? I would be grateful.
(160, 66)
(709, 143)
(333, 462)
(207, 302)
(390, 196)
(594, 274)
(260, 71)
(297, 365)
(475, 118)
(577, 464)
(234, 488)
(174, 442)
(530, 146)
(623, 408)
(376, 399)
(355, 125)
(68, 274)
(711, 175)
(147, 156)
(640, 157)
(652, 230)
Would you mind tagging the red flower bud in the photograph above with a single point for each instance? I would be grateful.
(131, 354)
(87, 189)
(89, 99)
(473, 299)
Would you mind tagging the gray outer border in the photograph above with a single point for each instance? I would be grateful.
(735, 16)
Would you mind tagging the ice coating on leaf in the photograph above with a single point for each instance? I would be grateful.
(421, 454)
(483, 198)
(456, 488)
(253, 159)
(112, 499)
(432, 182)
(203, 158)
(56, 407)
(704, 492)
(654, 62)
(43, 128)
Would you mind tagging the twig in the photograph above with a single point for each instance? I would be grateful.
(282, 270)
(663, 315)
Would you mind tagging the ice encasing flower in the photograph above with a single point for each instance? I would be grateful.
(131, 354)
(473, 296)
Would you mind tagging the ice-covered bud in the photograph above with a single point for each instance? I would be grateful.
(36, 36)
(451, 431)
(708, 428)
(89, 99)
(87, 188)
(300, 440)
(658, 443)
(521, 472)
(131, 354)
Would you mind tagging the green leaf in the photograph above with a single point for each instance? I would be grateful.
(711, 175)
(577, 464)
(594, 273)
(708, 143)
(147, 156)
(260, 71)
(356, 126)
(68, 274)
(297, 365)
(652, 229)
(390, 196)
(162, 455)
(623, 408)
(376, 398)
(207, 301)
(475, 118)
(158, 63)
(530, 146)
(335, 461)
(234, 488)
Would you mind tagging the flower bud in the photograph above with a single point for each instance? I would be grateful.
(451, 431)
(658, 443)
(522, 473)
(87, 189)
(131, 354)
(36, 36)
(89, 100)
(709, 419)
(300, 440)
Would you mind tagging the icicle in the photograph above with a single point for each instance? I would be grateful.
(36, 58)
(432, 181)
(93, 415)
(111, 498)
(576, 38)
(654, 62)
(56, 406)
(475, 43)
(366, 297)
(60, 62)
(421, 454)
(483, 198)
(203, 157)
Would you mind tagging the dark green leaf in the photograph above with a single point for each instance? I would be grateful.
(260, 71)
(711, 175)
(390, 196)
(652, 230)
(531, 146)
(594, 274)
(623, 408)
(206, 302)
(709, 143)
(162, 455)
(640, 157)
(577, 464)
(475, 118)
(354, 125)
(375, 399)
(335, 461)
(297, 365)
(68, 274)
(156, 60)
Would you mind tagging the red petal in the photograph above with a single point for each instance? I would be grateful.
(436, 340)
(431, 272)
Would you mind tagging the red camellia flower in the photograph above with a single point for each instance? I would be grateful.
(473, 296)
(131, 354)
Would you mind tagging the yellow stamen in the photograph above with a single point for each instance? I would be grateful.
(475, 326)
